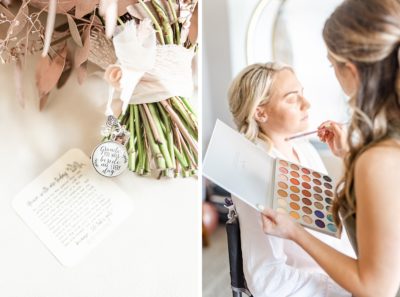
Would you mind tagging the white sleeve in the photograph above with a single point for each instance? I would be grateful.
(282, 280)
(265, 264)
(309, 156)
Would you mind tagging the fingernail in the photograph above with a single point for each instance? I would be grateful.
(260, 207)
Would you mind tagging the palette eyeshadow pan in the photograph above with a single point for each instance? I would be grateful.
(304, 194)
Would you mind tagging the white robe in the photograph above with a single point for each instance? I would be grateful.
(275, 267)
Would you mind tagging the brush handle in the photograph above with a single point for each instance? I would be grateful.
(301, 135)
(309, 133)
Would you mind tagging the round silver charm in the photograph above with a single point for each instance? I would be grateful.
(110, 158)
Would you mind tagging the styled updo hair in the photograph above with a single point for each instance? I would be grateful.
(250, 88)
(367, 34)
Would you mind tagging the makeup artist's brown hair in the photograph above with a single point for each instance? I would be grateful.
(250, 88)
(367, 34)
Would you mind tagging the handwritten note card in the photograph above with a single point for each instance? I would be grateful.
(71, 208)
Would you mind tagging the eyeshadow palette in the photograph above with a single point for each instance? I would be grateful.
(305, 195)
(251, 175)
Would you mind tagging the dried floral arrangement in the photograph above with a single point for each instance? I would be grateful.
(145, 49)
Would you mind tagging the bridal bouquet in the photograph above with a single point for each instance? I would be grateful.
(145, 50)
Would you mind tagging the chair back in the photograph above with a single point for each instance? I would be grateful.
(238, 281)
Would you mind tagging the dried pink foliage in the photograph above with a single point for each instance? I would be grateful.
(24, 33)
(63, 6)
(82, 54)
(85, 7)
(48, 72)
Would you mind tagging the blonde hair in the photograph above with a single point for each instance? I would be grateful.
(367, 34)
(251, 88)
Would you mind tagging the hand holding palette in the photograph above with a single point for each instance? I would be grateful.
(305, 195)
(249, 173)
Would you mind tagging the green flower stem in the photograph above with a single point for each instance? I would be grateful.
(189, 111)
(164, 129)
(175, 22)
(178, 167)
(183, 112)
(180, 125)
(147, 156)
(121, 22)
(163, 145)
(189, 129)
(132, 152)
(188, 153)
(186, 156)
(167, 30)
(154, 20)
(140, 165)
(168, 131)
(194, 156)
(146, 164)
(153, 127)
(187, 104)
(181, 158)
(192, 132)
(152, 143)
(177, 140)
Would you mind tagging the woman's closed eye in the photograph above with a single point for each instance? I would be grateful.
(293, 97)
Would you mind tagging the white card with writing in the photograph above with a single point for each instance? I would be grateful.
(71, 208)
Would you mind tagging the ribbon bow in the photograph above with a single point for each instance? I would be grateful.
(145, 72)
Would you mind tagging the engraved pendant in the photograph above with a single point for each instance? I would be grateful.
(110, 158)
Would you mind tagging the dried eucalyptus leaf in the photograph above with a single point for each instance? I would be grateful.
(63, 6)
(96, 20)
(82, 73)
(85, 7)
(48, 72)
(74, 31)
(82, 54)
(43, 101)
(64, 77)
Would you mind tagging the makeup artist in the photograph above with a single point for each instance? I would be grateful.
(363, 38)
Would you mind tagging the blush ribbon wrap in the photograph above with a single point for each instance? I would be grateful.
(147, 72)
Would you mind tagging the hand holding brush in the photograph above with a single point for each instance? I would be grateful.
(335, 135)
(332, 133)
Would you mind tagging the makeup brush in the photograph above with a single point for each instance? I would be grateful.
(300, 135)
(309, 133)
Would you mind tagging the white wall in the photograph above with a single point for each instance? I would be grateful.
(216, 65)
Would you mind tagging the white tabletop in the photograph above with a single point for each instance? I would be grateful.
(155, 252)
